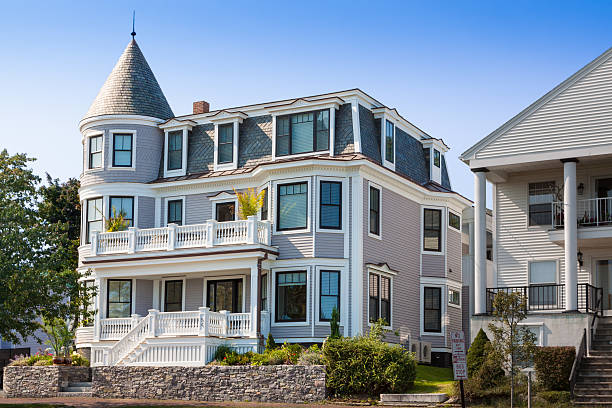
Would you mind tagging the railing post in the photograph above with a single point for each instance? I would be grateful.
(203, 331)
(587, 299)
(225, 328)
(135, 320)
(251, 229)
(153, 323)
(131, 240)
(94, 243)
(105, 359)
(211, 232)
(171, 236)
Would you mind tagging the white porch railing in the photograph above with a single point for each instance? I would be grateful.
(117, 328)
(209, 234)
(590, 212)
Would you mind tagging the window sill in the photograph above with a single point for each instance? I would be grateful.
(225, 166)
(427, 252)
(289, 324)
(291, 232)
(122, 168)
(384, 327)
(331, 230)
(379, 237)
(175, 173)
(455, 306)
(437, 334)
(298, 155)
(389, 165)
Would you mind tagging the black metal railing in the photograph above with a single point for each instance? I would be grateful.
(551, 297)
(580, 353)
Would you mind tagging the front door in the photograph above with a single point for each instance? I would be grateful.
(224, 295)
(603, 273)
(173, 296)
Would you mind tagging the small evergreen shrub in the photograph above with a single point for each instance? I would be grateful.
(335, 324)
(270, 343)
(553, 367)
(476, 353)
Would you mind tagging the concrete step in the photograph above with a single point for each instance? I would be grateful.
(76, 389)
(593, 391)
(62, 394)
(604, 363)
(601, 352)
(80, 384)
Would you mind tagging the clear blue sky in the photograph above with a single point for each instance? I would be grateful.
(457, 70)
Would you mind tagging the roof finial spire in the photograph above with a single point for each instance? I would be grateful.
(133, 23)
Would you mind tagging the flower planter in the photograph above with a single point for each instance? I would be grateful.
(62, 361)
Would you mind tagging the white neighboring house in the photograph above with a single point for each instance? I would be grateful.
(551, 173)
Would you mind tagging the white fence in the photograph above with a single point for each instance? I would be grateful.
(209, 234)
(590, 212)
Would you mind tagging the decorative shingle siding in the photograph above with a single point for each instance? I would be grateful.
(410, 159)
(255, 141)
(146, 212)
(445, 179)
(370, 134)
(344, 140)
(433, 265)
(201, 149)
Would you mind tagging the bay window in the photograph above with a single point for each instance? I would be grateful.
(291, 296)
(329, 294)
(292, 208)
(119, 301)
(302, 133)
(330, 205)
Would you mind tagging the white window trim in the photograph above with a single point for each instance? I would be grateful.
(443, 222)
(106, 206)
(387, 274)
(332, 107)
(104, 202)
(183, 170)
(383, 142)
(443, 309)
(112, 133)
(175, 198)
(267, 185)
(236, 122)
(343, 204)
(88, 136)
(380, 210)
(267, 305)
(557, 270)
(222, 199)
(272, 296)
(272, 216)
(342, 295)
(226, 277)
(457, 289)
(106, 300)
(162, 302)
(448, 220)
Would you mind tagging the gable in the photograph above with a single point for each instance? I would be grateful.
(578, 113)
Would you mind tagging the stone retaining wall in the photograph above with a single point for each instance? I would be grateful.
(291, 384)
(41, 381)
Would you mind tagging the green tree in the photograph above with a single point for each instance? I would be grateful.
(476, 354)
(514, 344)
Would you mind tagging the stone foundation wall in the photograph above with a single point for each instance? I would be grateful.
(291, 384)
(41, 381)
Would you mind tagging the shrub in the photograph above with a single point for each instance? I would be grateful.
(553, 367)
(476, 353)
(554, 397)
(335, 324)
(79, 360)
(312, 356)
(20, 361)
(367, 365)
(270, 343)
(221, 352)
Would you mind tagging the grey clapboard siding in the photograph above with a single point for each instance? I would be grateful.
(146, 212)
(144, 296)
(198, 208)
(148, 153)
(465, 313)
(455, 319)
(453, 253)
(436, 341)
(433, 265)
(194, 293)
(351, 267)
(329, 245)
(293, 245)
(400, 249)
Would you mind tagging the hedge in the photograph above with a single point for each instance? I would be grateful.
(553, 366)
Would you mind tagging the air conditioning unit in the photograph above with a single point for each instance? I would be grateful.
(415, 347)
(425, 356)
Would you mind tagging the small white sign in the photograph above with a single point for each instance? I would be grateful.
(459, 360)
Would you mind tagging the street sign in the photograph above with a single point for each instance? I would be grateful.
(459, 360)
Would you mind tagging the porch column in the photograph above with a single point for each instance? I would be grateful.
(100, 299)
(570, 232)
(255, 300)
(480, 241)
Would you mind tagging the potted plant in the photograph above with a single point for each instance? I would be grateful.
(249, 202)
(59, 337)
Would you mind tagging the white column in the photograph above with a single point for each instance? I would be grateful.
(570, 234)
(480, 241)
(98, 308)
(156, 303)
(254, 300)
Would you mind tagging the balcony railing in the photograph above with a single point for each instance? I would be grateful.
(590, 212)
(551, 297)
(209, 234)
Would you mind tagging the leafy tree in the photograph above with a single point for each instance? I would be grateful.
(58, 334)
(514, 344)
(249, 202)
(335, 324)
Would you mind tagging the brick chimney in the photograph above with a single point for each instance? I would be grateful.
(201, 107)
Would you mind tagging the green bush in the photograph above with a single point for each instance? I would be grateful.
(270, 343)
(554, 397)
(222, 351)
(312, 356)
(476, 353)
(287, 354)
(79, 360)
(367, 365)
(553, 366)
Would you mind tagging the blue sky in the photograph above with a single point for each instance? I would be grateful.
(457, 70)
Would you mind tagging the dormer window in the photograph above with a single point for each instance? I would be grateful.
(305, 132)
(226, 144)
(227, 137)
(176, 138)
(175, 150)
(389, 142)
(95, 152)
(436, 159)
(433, 151)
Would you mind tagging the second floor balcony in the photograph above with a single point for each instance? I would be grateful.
(591, 212)
(173, 237)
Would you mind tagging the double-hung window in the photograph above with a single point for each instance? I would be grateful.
(264, 292)
(541, 196)
(122, 150)
(225, 144)
(380, 298)
(329, 294)
(225, 211)
(266, 203)
(175, 150)
(175, 212)
(374, 211)
(302, 133)
(124, 206)
(437, 160)
(119, 299)
(95, 152)
(389, 141)
(432, 310)
(94, 217)
(330, 210)
(291, 296)
(432, 230)
(542, 284)
(292, 206)
(454, 221)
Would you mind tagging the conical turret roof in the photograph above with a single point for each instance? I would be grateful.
(131, 89)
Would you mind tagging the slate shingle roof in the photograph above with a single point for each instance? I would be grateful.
(131, 89)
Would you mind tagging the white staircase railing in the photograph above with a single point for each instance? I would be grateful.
(115, 329)
(209, 234)
(132, 339)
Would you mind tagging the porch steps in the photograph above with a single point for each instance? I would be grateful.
(594, 383)
(76, 389)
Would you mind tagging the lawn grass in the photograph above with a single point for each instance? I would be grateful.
(432, 380)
